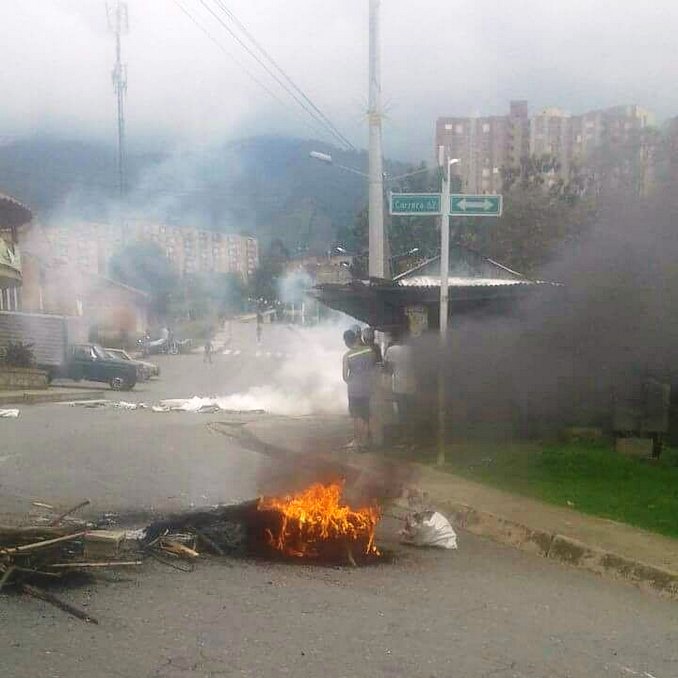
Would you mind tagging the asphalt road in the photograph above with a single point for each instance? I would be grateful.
(484, 610)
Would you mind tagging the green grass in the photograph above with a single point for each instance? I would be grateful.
(589, 477)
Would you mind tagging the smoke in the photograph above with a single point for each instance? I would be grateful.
(307, 380)
(292, 287)
(561, 355)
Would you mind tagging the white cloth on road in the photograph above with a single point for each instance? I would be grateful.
(9, 414)
(429, 528)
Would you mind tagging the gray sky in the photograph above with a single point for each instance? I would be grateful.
(440, 57)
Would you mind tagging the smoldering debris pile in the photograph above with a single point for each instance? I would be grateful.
(55, 548)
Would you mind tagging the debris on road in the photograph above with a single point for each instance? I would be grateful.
(11, 413)
(429, 528)
(194, 405)
(34, 555)
(313, 524)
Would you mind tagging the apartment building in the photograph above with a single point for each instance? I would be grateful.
(486, 145)
(89, 246)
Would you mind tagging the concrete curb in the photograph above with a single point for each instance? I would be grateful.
(562, 548)
(32, 398)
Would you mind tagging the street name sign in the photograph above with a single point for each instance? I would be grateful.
(463, 204)
(416, 204)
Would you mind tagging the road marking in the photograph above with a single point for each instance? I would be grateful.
(227, 351)
(237, 352)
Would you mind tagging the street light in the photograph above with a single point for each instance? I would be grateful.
(329, 160)
(444, 298)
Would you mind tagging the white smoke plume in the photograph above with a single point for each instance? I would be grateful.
(308, 380)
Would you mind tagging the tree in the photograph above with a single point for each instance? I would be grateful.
(144, 265)
(208, 295)
(264, 284)
(404, 233)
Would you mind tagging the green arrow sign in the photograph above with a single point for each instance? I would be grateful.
(475, 205)
(416, 203)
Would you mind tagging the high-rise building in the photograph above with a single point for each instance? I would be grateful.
(487, 145)
(89, 246)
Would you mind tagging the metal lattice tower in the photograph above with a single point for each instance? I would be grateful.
(118, 24)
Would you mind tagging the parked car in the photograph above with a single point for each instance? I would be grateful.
(145, 369)
(55, 345)
(92, 363)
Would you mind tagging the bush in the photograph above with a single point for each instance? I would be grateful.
(18, 354)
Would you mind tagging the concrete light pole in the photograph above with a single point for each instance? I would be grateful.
(376, 171)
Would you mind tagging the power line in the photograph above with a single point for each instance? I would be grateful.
(247, 72)
(300, 101)
(279, 68)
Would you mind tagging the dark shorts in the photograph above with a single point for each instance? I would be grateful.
(359, 407)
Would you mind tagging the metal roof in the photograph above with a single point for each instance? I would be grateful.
(12, 212)
(456, 281)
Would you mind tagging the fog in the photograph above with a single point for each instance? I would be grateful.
(438, 59)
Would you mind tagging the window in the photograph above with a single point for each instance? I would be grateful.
(459, 129)
(486, 172)
(448, 126)
(486, 127)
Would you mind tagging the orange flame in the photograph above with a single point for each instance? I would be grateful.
(315, 517)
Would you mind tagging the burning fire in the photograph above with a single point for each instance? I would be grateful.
(315, 519)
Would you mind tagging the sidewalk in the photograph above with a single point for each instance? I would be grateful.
(603, 546)
(54, 394)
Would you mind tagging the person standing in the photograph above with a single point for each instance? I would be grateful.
(358, 368)
(260, 326)
(207, 357)
(398, 363)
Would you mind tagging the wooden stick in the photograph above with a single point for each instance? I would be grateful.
(41, 544)
(210, 543)
(35, 592)
(6, 575)
(58, 519)
(27, 570)
(117, 563)
(174, 547)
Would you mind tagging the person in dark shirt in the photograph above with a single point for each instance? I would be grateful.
(358, 373)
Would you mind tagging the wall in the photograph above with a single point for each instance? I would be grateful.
(14, 378)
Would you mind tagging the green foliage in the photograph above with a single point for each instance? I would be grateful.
(18, 354)
(144, 266)
(207, 295)
(589, 477)
(264, 287)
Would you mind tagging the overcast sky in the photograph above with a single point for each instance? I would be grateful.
(440, 57)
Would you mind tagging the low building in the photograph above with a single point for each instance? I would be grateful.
(56, 285)
(13, 215)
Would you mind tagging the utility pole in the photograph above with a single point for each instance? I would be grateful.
(376, 169)
(118, 24)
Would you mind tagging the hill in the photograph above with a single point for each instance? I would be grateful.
(267, 186)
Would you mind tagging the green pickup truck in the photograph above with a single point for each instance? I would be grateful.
(92, 363)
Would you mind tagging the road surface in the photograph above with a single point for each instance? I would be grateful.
(484, 610)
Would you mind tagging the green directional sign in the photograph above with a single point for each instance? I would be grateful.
(475, 205)
(413, 204)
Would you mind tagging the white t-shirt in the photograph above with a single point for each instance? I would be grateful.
(399, 358)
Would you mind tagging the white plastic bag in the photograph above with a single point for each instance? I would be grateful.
(9, 414)
(429, 528)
